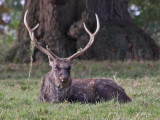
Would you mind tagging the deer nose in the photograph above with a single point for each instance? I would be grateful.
(63, 79)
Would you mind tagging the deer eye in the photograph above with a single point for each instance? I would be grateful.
(68, 69)
(57, 68)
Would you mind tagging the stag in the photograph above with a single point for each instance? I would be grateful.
(58, 85)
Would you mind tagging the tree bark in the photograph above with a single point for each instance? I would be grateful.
(62, 29)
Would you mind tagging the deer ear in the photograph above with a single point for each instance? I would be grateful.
(51, 61)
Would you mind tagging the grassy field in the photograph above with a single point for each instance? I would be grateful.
(141, 81)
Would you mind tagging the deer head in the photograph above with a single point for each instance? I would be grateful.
(60, 66)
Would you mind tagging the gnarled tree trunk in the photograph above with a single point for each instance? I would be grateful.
(62, 29)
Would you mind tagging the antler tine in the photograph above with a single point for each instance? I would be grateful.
(31, 34)
(51, 52)
(92, 35)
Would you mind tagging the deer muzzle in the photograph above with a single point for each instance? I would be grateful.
(64, 76)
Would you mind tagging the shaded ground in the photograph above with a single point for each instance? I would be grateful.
(85, 69)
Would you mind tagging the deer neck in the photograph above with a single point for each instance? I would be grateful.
(60, 92)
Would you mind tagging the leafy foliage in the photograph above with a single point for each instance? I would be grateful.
(149, 17)
(10, 12)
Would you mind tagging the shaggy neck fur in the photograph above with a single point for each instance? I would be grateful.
(52, 92)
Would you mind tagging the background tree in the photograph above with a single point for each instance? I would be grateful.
(10, 11)
(61, 28)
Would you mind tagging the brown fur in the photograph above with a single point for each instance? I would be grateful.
(92, 90)
(53, 89)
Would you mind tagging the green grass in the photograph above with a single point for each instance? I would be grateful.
(141, 81)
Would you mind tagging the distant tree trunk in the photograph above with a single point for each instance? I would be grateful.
(62, 29)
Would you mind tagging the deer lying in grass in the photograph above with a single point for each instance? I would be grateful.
(58, 85)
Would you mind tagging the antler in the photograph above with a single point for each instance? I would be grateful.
(49, 52)
(31, 34)
(90, 41)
